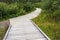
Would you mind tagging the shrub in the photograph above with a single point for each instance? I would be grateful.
(14, 9)
(28, 7)
(56, 15)
(3, 10)
(38, 5)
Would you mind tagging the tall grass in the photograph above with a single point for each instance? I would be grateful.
(48, 25)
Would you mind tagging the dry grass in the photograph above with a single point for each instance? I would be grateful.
(3, 28)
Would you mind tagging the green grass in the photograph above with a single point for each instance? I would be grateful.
(48, 25)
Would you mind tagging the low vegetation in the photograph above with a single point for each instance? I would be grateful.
(48, 26)
(14, 9)
(49, 19)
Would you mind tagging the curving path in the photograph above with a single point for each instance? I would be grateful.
(23, 29)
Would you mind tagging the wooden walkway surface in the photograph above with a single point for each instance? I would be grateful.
(23, 29)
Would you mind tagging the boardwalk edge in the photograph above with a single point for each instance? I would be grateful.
(7, 32)
(40, 30)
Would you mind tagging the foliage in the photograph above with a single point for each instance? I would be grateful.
(49, 19)
(14, 9)
(28, 7)
(3, 9)
(49, 26)
(50, 6)
(56, 15)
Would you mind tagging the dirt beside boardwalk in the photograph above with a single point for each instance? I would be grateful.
(4, 23)
(3, 28)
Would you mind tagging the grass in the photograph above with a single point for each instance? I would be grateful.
(2, 32)
(3, 28)
(48, 25)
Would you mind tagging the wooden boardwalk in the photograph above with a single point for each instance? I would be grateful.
(23, 29)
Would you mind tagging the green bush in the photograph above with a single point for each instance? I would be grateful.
(14, 9)
(56, 15)
(28, 7)
(21, 12)
(38, 5)
(3, 10)
(8, 11)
